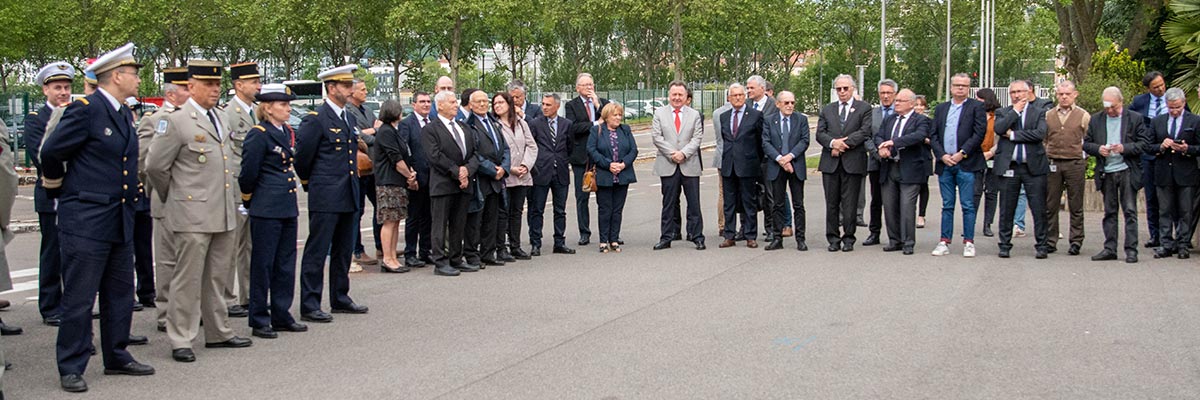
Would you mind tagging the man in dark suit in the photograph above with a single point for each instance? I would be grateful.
(842, 131)
(494, 164)
(784, 142)
(326, 139)
(417, 226)
(96, 199)
(1117, 137)
(1175, 173)
(958, 129)
(741, 167)
(1150, 105)
(450, 146)
(1021, 161)
(887, 96)
(550, 175)
(521, 103)
(584, 113)
(56, 79)
(903, 168)
(758, 99)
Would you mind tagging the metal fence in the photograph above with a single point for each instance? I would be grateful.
(13, 109)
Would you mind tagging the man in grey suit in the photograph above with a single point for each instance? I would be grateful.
(887, 96)
(523, 107)
(677, 131)
(904, 161)
(785, 140)
(716, 129)
(842, 131)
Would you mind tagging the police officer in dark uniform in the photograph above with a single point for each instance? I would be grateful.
(96, 199)
(326, 141)
(55, 79)
(268, 186)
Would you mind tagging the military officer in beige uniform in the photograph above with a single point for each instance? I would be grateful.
(175, 93)
(191, 170)
(239, 112)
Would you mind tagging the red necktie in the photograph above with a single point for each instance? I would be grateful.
(678, 123)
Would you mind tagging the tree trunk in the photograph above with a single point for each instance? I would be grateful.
(677, 38)
(455, 39)
(1144, 14)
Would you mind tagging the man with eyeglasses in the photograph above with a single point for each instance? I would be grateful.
(887, 96)
(959, 127)
(843, 130)
(584, 113)
(1021, 163)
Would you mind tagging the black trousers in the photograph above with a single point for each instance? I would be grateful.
(89, 267)
(582, 215)
(50, 275)
(328, 234)
(900, 209)
(1120, 195)
(1175, 207)
(1153, 205)
(875, 225)
(537, 210)
(366, 191)
(987, 187)
(741, 194)
(841, 200)
(272, 271)
(449, 215)
(143, 255)
(510, 226)
(610, 204)
(1035, 191)
(670, 221)
(779, 191)
(486, 222)
(418, 226)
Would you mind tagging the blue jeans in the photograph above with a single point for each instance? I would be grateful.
(951, 179)
(1019, 215)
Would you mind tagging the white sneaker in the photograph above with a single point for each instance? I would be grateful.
(969, 250)
(355, 268)
(1017, 232)
(942, 249)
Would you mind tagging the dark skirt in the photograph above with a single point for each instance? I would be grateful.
(392, 203)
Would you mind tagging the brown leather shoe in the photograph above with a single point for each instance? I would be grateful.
(727, 243)
(787, 231)
(752, 244)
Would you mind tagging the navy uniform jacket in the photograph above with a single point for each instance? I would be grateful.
(267, 181)
(326, 157)
(489, 156)
(553, 151)
(35, 130)
(909, 146)
(99, 180)
(417, 159)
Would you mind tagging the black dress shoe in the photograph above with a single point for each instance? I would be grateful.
(1152, 244)
(1005, 253)
(317, 316)
(584, 241)
(519, 254)
(398, 270)
(847, 247)
(132, 368)
(9, 330)
(908, 251)
(987, 230)
(535, 252)
(138, 307)
(162, 328)
(292, 327)
(801, 246)
(1041, 254)
(700, 244)
(860, 222)
(775, 244)
(563, 250)
(233, 343)
(740, 236)
(183, 355)
(413, 262)
(73, 383)
(237, 311)
(491, 263)
(138, 340)
(620, 242)
(468, 268)
(1163, 253)
(1104, 256)
(148, 303)
(504, 257)
(666, 244)
(444, 271)
(872, 240)
(1051, 249)
(1074, 249)
(265, 333)
(1131, 258)
(890, 248)
(52, 321)
(1183, 255)
(677, 236)
(351, 308)
(835, 246)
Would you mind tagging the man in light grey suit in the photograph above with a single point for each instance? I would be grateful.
(716, 127)
(785, 140)
(677, 131)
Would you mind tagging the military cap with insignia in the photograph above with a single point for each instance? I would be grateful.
(122, 56)
(275, 92)
(54, 72)
(177, 76)
(246, 70)
(343, 73)
(204, 70)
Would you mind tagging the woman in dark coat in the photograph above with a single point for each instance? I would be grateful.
(612, 150)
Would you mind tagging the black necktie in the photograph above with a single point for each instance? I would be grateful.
(462, 146)
(842, 113)
(346, 118)
(213, 118)
(1174, 132)
(896, 129)
(787, 132)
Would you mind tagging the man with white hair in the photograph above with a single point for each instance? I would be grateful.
(1175, 174)
(843, 129)
(1117, 137)
(452, 160)
(584, 113)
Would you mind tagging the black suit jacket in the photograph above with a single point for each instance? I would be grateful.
(445, 157)
(856, 130)
(910, 146)
(553, 152)
(581, 125)
(489, 156)
(1133, 137)
(418, 158)
(741, 154)
(1031, 132)
(797, 144)
(1172, 167)
(972, 126)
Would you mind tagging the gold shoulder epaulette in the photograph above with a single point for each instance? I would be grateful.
(260, 127)
(83, 100)
(312, 113)
(33, 113)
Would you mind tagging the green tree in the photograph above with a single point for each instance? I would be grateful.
(1182, 35)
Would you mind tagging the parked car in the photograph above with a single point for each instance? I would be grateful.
(642, 108)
